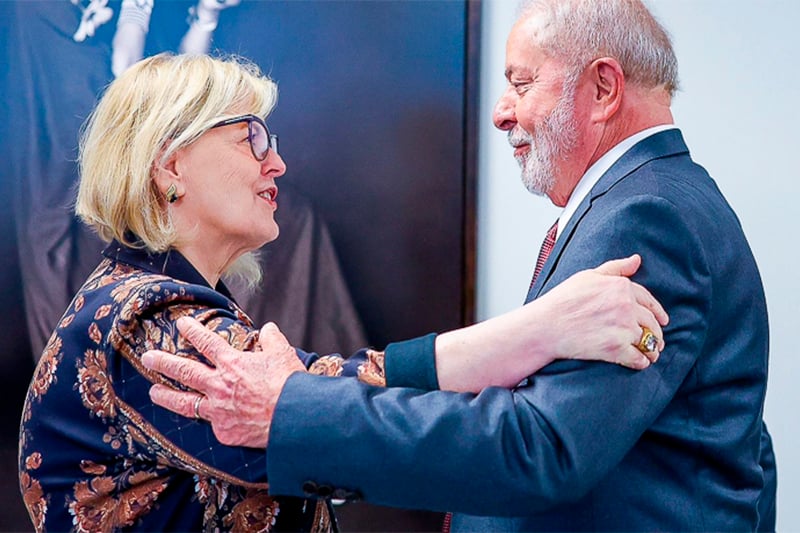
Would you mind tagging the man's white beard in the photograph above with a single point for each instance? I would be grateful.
(550, 144)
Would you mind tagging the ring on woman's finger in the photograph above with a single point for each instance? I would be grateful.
(197, 406)
(648, 341)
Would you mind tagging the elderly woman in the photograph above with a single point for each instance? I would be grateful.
(178, 172)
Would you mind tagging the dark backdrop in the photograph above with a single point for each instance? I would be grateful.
(376, 123)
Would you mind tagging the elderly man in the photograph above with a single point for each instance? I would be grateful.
(580, 445)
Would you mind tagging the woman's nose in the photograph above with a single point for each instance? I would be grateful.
(273, 165)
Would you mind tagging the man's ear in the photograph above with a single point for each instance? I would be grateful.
(608, 82)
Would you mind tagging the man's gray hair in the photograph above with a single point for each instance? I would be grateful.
(580, 31)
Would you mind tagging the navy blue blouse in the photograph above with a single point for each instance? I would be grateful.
(97, 455)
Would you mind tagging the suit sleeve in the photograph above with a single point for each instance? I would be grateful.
(147, 321)
(505, 452)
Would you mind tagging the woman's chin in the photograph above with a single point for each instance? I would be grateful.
(268, 237)
(274, 234)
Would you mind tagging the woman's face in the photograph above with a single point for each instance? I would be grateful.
(230, 198)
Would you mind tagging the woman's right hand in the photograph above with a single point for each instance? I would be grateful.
(596, 314)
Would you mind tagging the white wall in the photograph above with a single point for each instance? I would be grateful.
(738, 67)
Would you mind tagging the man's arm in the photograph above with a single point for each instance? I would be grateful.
(501, 452)
(241, 391)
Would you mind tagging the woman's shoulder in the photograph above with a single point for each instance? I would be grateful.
(118, 296)
(138, 289)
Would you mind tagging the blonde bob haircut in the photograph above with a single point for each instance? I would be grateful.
(156, 107)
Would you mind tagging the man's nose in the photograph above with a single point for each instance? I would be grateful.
(504, 117)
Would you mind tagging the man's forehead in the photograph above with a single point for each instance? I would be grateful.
(525, 60)
(523, 55)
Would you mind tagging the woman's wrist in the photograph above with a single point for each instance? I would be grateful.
(501, 351)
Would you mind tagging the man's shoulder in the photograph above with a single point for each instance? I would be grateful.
(675, 179)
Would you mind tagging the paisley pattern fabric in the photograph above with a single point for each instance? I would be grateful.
(97, 455)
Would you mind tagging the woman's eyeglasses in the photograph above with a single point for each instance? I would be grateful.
(261, 140)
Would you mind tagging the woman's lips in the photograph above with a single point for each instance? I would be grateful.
(270, 196)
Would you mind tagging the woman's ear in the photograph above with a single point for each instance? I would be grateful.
(167, 178)
(608, 80)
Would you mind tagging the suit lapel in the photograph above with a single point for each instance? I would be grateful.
(662, 144)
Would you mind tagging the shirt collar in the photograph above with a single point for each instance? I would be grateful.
(170, 263)
(596, 171)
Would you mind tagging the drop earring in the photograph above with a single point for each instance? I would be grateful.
(171, 194)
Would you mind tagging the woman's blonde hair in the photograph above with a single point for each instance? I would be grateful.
(158, 106)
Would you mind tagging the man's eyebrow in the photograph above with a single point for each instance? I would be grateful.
(520, 71)
(511, 70)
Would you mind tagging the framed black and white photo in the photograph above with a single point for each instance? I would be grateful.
(377, 124)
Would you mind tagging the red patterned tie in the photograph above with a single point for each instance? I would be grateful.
(446, 525)
(544, 252)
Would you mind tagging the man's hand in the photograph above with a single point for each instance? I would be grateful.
(238, 394)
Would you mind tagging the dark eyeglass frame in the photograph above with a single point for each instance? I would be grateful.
(272, 138)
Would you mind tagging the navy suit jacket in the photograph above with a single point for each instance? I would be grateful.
(582, 445)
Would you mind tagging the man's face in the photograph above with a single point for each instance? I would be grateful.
(538, 112)
(539, 152)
